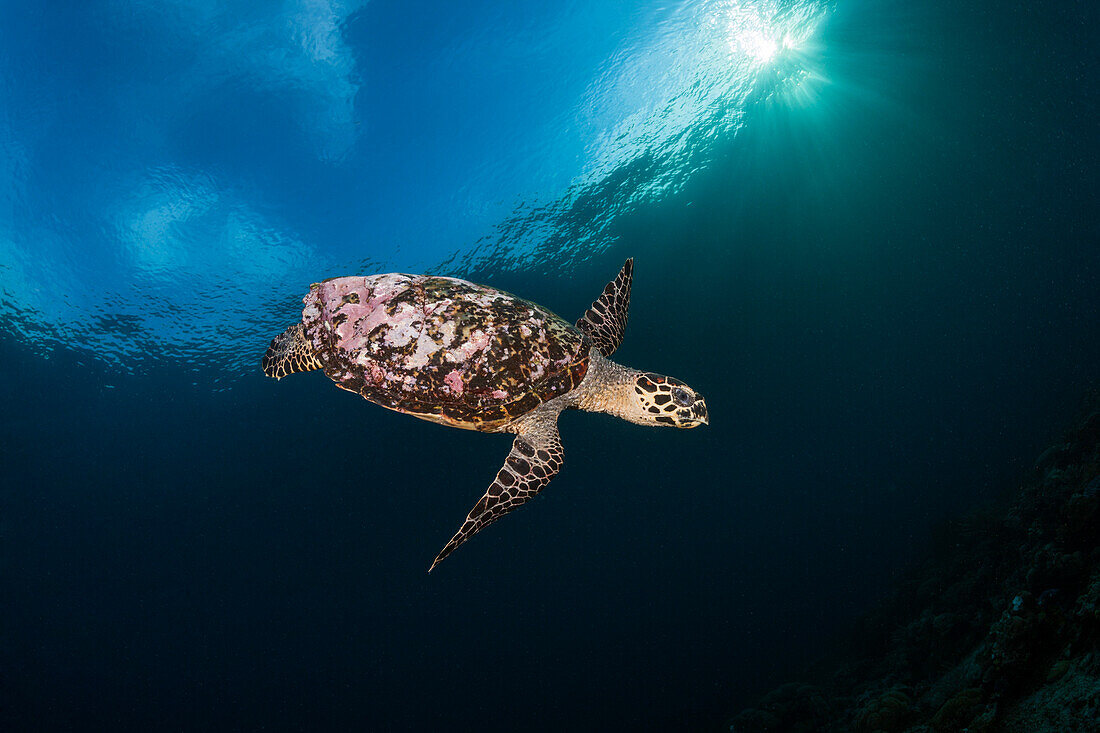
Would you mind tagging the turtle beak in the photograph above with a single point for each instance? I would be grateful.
(700, 411)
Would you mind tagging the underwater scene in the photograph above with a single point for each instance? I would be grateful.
(731, 365)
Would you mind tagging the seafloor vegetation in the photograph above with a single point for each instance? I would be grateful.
(998, 631)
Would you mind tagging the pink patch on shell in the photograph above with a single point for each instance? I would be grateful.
(454, 381)
(476, 343)
(499, 394)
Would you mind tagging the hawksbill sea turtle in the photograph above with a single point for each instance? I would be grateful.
(478, 358)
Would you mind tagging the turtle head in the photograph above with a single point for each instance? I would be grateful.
(663, 400)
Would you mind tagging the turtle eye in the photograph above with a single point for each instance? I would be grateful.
(682, 396)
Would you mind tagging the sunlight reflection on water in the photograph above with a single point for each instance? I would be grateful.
(177, 260)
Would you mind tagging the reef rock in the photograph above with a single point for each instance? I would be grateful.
(999, 632)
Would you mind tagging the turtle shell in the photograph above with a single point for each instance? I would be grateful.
(442, 349)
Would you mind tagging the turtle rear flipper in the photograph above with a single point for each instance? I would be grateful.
(290, 352)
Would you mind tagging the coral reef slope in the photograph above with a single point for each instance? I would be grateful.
(998, 631)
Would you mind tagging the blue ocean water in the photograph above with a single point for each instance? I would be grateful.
(863, 230)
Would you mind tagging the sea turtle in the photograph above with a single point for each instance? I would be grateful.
(478, 358)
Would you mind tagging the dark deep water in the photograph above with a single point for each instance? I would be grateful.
(887, 288)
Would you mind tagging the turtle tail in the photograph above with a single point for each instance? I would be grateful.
(290, 352)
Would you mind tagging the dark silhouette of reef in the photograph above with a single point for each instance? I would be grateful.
(998, 631)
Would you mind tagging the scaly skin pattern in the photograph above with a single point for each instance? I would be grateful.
(605, 321)
(442, 349)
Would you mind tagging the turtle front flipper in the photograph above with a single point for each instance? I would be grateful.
(290, 352)
(605, 321)
(535, 458)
